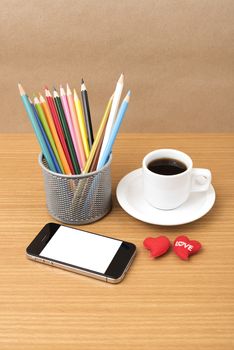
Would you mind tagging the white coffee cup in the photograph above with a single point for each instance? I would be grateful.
(170, 191)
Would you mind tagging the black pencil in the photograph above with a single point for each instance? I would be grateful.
(87, 115)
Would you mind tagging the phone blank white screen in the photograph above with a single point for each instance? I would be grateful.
(82, 249)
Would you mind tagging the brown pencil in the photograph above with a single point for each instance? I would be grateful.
(97, 153)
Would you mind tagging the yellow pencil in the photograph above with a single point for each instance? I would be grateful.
(55, 135)
(80, 117)
(98, 136)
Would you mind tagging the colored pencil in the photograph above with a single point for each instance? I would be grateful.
(36, 128)
(67, 113)
(45, 125)
(45, 136)
(93, 166)
(98, 136)
(66, 131)
(76, 126)
(59, 147)
(114, 132)
(113, 113)
(81, 122)
(58, 126)
(86, 108)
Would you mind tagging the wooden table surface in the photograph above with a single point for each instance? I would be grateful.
(164, 304)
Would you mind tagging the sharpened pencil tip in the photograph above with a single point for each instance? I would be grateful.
(127, 97)
(75, 94)
(56, 93)
(21, 90)
(42, 100)
(121, 79)
(68, 90)
(47, 93)
(83, 87)
(62, 91)
(36, 101)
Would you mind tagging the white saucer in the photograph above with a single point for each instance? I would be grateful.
(130, 196)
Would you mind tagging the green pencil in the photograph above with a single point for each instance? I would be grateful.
(66, 131)
(47, 130)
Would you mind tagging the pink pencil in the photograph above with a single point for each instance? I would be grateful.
(76, 126)
(70, 125)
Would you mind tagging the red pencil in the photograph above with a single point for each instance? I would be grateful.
(55, 117)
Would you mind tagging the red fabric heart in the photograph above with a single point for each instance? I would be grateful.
(184, 247)
(157, 246)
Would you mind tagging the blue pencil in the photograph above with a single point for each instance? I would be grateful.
(36, 128)
(114, 131)
(51, 152)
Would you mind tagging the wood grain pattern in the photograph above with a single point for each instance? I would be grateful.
(162, 304)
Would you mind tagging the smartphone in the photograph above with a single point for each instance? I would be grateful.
(90, 254)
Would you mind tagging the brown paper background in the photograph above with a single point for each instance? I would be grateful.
(177, 57)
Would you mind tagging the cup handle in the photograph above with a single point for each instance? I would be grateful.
(201, 179)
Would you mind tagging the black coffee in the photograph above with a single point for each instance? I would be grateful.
(167, 166)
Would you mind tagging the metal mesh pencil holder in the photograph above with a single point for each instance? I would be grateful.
(77, 199)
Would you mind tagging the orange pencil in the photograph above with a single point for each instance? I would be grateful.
(55, 135)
